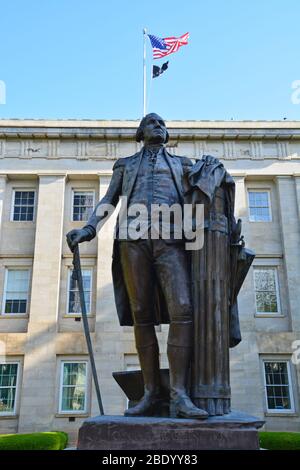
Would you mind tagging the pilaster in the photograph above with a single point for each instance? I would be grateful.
(40, 352)
(290, 229)
(3, 179)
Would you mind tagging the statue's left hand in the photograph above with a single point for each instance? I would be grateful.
(236, 231)
(210, 160)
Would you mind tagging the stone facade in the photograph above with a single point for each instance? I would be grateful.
(53, 158)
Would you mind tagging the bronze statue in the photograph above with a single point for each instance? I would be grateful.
(153, 276)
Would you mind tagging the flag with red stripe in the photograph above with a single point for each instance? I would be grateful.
(165, 46)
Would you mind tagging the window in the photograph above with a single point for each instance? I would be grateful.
(16, 292)
(8, 387)
(259, 206)
(266, 291)
(74, 307)
(83, 205)
(73, 387)
(23, 207)
(278, 388)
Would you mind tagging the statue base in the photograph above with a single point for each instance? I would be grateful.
(234, 431)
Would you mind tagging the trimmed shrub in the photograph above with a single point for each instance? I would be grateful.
(279, 440)
(34, 441)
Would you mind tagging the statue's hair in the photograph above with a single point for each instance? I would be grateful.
(139, 136)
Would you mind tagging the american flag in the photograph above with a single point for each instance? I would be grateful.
(165, 46)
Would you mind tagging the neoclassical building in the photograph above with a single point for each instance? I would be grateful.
(51, 175)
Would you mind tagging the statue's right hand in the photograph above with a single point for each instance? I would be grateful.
(76, 236)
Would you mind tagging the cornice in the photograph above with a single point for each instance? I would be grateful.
(117, 123)
(125, 130)
(244, 140)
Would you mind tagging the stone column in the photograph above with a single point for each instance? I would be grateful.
(38, 401)
(3, 179)
(297, 183)
(245, 298)
(290, 229)
(240, 197)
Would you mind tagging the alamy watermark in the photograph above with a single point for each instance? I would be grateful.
(295, 97)
(140, 221)
(2, 92)
(296, 353)
(2, 352)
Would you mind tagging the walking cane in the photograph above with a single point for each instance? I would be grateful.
(77, 276)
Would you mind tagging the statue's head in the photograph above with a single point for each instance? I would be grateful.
(152, 130)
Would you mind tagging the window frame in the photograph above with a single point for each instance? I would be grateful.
(80, 190)
(260, 190)
(15, 268)
(13, 205)
(277, 291)
(278, 411)
(17, 388)
(86, 388)
(79, 314)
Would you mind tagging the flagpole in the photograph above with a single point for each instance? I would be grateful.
(144, 73)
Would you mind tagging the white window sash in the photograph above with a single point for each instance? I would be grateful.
(15, 387)
(290, 389)
(262, 190)
(69, 291)
(274, 269)
(17, 268)
(13, 204)
(62, 386)
(80, 191)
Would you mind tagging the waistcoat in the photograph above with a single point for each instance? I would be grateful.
(154, 184)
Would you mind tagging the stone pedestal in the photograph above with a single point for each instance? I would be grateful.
(233, 431)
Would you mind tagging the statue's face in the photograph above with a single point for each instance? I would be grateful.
(155, 131)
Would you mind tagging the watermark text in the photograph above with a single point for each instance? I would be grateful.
(139, 221)
(295, 97)
(2, 92)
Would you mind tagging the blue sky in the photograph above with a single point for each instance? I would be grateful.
(83, 59)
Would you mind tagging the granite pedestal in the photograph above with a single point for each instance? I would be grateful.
(235, 430)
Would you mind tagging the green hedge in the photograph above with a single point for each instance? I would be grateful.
(34, 441)
(279, 440)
